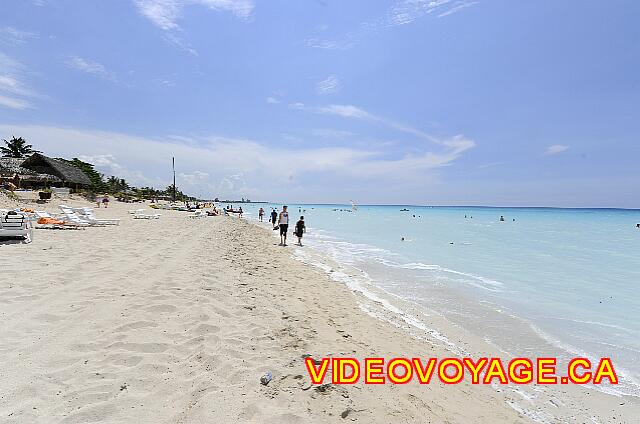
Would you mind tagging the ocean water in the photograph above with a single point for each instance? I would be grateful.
(569, 277)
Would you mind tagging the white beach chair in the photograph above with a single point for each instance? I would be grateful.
(66, 225)
(70, 216)
(16, 225)
(88, 215)
(141, 215)
(198, 214)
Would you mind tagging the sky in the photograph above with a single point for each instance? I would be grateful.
(435, 102)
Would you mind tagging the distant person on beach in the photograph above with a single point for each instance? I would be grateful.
(300, 229)
(274, 216)
(240, 212)
(98, 201)
(105, 201)
(260, 214)
(501, 218)
(283, 222)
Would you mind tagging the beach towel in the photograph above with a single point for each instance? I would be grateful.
(49, 221)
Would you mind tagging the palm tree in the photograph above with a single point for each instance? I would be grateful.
(17, 148)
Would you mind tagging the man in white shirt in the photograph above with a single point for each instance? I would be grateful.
(283, 222)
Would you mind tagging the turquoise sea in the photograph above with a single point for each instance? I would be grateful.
(571, 275)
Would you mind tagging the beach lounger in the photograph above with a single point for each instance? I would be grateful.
(46, 220)
(70, 216)
(141, 215)
(198, 214)
(87, 214)
(16, 225)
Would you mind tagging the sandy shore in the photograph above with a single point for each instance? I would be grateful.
(175, 320)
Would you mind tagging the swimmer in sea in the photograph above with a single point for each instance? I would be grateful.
(501, 218)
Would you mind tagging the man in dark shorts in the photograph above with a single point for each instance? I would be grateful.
(274, 216)
(300, 229)
(283, 222)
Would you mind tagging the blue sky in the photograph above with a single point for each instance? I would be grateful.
(484, 102)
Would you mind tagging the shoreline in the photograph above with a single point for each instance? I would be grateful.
(425, 323)
(186, 315)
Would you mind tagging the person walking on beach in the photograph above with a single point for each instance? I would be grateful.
(283, 223)
(260, 214)
(274, 216)
(240, 212)
(105, 201)
(300, 229)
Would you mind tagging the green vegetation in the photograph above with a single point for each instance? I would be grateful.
(117, 187)
(17, 147)
(97, 179)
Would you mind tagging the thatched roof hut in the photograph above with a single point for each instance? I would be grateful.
(66, 172)
(10, 167)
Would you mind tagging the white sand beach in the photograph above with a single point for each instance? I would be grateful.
(175, 320)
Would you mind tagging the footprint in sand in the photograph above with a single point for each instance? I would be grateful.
(140, 347)
(206, 329)
(162, 308)
(123, 360)
(136, 325)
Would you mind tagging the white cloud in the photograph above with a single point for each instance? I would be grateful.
(273, 100)
(346, 111)
(12, 84)
(407, 11)
(457, 8)
(13, 36)
(13, 103)
(400, 13)
(318, 43)
(165, 82)
(329, 85)
(233, 167)
(331, 133)
(354, 112)
(165, 13)
(178, 42)
(556, 148)
(297, 106)
(90, 67)
(14, 91)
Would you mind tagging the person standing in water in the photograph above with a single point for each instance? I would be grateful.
(283, 222)
(274, 216)
(300, 229)
(260, 214)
